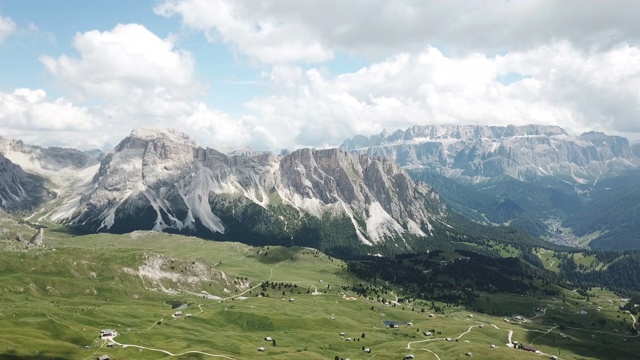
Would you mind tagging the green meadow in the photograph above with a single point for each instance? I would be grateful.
(55, 300)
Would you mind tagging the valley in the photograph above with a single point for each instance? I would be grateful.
(179, 251)
(58, 297)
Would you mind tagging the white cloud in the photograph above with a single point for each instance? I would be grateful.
(7, 27)
(253, 29)
(32, 116)
(558, 84)
(32, 109)
(277, 31)
(128, 61)
(132, 79)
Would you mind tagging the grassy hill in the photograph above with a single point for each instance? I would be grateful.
(54, 300)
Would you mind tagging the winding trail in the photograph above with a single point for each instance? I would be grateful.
(67, 325)
(438, 339)
(436, 355)
(545, 333)
(170, 353)
(201, 310)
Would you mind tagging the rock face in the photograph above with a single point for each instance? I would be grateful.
(476, 153)
(161, 180)
(24, 170)
(19, 191)
(38, 238)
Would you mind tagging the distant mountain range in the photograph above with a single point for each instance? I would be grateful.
(476, 153)
(162, 180)
(356, 200)
(527, 176)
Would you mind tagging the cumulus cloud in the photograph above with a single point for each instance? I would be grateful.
(35, 118)
(555, 84)
(279, 31)
(7, 27)
(255, 30)
(127, 61)
(132, 78)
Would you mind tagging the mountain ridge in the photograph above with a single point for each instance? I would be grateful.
(164, 181)
(475, 153)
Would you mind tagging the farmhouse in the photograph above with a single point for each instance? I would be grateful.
(103, 357)
(177, 314)
(261, 348)
(105, 333)
(427, 333)
(408, 357)
(111, 344)
(268, 338)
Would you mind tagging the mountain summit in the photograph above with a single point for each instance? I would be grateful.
(161, 180)
(477, 152)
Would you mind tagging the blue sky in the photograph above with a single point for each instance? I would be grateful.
(288, 74)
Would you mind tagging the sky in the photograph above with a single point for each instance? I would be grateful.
(278, 74)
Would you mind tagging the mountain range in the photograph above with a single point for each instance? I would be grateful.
(537, 178)
(390, 193)
(162, 180)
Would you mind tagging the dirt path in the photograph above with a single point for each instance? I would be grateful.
(544, 312)
(545, 333)
(155, 323)
(550, 265)
(67, 325)
(438, 339)
(434, 354)
(170, 353)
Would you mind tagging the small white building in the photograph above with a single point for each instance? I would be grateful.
(107, 333)
(261, 348)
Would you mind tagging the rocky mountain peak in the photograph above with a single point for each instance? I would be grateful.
(169, 135)
(162, 180)
(479, 152)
